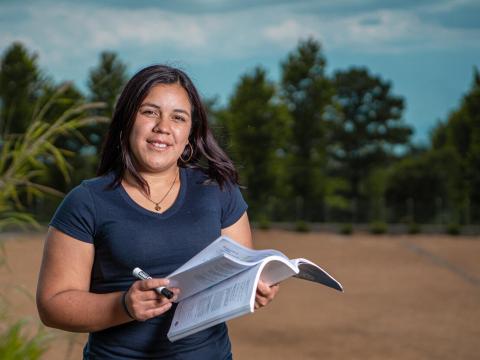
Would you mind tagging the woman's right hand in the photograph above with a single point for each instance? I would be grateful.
(144, 303)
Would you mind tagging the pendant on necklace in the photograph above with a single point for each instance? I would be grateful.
(157, 207)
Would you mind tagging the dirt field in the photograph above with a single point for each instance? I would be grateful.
(406, 297)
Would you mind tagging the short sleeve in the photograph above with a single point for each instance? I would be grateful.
(233, 205)
(76, 215)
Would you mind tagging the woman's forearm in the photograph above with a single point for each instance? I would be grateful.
(82, 311)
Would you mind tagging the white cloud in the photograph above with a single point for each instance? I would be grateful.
(62, 32)
(290, 30)
(109, 27)
(379, 31)
(382, 31)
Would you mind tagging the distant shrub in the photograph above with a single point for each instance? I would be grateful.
(264, 223)
(302, 226)
(378, 227)
(346, 229)
(414, 228)
(453, 229)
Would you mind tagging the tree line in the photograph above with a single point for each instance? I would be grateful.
(309, 147)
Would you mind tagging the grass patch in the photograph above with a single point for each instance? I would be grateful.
(16, 344)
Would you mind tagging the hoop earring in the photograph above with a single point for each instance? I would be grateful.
(191, 154)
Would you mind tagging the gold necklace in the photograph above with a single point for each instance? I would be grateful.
(157, 203)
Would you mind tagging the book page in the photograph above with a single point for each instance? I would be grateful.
(228, 299)
(312, 272)
(226, 246)
(244, 254)
(205, 275)
(277, 269)
(216, 270)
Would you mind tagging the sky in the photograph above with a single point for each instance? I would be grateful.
(426, 49)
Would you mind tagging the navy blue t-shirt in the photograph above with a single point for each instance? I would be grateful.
(126, 235)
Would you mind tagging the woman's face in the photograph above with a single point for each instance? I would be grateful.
(161, 128)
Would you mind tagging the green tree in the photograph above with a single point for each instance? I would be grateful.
(215, 113)
(257, 126)
(106, 80)
(423, 187)
(461, 133)
(105, 83)
(20, 82)
(366, 128)
(307, 92)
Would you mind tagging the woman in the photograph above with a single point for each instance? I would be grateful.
(152, 206)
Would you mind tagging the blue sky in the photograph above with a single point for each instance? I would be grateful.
(427, 49)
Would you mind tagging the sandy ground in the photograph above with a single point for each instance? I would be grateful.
(406, 297)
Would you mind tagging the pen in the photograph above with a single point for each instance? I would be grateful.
(161, 290)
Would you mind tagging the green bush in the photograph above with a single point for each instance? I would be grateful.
(346, 229)
(25, 162)
(16, 345)
(414, 228)
(302, 226)
(264, 223)
(453, 229)
(378, 227)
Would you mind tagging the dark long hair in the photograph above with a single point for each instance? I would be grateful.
(116, 154)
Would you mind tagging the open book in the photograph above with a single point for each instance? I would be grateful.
(220, 282)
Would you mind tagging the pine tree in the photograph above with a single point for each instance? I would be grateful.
(105, 83)
(257, 128)
(20, 81)
(307, 92)
(366, 129)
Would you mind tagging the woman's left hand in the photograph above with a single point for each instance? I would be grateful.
(265, 294)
